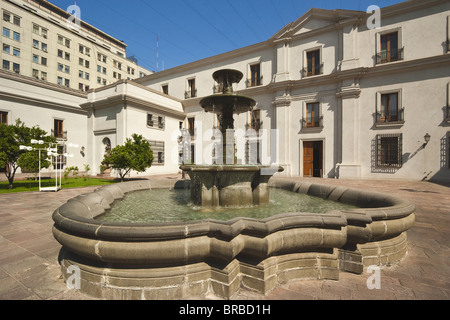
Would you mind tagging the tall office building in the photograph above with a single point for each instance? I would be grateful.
(45, 42)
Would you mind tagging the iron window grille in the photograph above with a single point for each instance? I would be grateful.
(159, 152)
(389, 150)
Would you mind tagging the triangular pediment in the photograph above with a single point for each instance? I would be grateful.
(316, 19)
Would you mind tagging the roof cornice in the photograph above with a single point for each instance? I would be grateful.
(41, 83)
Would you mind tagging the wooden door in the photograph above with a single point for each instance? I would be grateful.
(313, 159)
(308, 158)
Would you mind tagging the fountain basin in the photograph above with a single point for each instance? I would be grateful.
(179, 260)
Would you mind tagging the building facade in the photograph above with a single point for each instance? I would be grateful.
(336, 98)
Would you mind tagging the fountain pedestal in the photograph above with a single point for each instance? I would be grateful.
(228, 186)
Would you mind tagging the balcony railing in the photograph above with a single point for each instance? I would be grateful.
(190, 94)
(254, 82)
(317, 123)
(447, 114)
(59, 134)
(390, 56)
(316, 72)
(398, 118)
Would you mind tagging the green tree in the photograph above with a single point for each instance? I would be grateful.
(11, 157)
(135, 155)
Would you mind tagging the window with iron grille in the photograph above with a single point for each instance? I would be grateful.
(389, 150)
(156, 121)
(158, 152)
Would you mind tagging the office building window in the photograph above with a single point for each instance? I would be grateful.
(6, 65)
(6, 32)
(16, 67)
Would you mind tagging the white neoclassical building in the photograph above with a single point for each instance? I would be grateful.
(336, 98)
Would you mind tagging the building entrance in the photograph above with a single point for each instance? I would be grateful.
(313, 159)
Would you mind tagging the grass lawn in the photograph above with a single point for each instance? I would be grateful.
(33, 185)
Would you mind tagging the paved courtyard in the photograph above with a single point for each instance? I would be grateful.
(29, 266)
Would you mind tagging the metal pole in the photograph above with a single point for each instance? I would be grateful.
(39, 169)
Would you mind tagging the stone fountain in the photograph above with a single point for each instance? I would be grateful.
(179, 260)
(228, 184)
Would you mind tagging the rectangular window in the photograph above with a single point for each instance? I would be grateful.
(165, 89)
(35, 73)
(6, 16)
(44, 76)
(16, 52)
(16, 20)
(67, 56)
(44, 47)
(16, 36)
(313, 116)
(60, 81)
(191, 126)
(6, 32)
(43, 61)
(60, 53)
(390, 110)
(67, 82)
(4, 117)
(60, 67)
(80, 74)
(35, 44)
(35, 58)
(150, 120)
(161, 122)
(255, 120)
(6, 64)
(390, 50)
(255, 75)
(36, 28)
(16, 67)
(192, 91)
(6, 48)
(60, 40)
(58, 129)
(313, 63)
(389, 150)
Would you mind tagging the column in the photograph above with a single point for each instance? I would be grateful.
(349, 166)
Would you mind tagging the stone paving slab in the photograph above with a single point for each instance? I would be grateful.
(29, 266)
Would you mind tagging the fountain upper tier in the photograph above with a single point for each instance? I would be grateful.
(227, 102)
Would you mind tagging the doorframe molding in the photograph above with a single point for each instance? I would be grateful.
(300, 151)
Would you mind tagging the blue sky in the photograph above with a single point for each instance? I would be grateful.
(190, 30)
